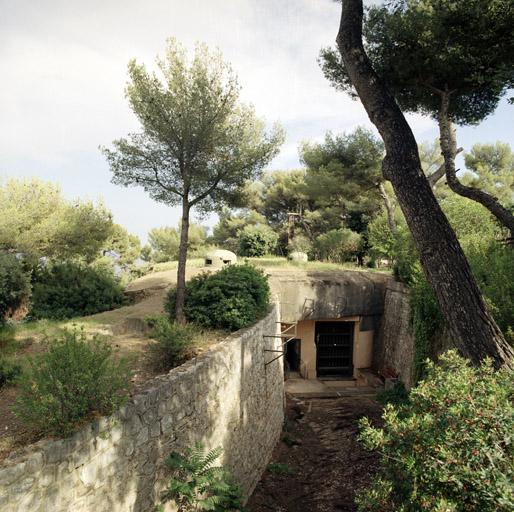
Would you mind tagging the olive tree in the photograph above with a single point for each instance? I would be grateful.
(198, 143)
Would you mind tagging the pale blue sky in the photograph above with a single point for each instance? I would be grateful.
(64, 68)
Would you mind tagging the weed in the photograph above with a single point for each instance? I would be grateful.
(199, 485)
(278, 468)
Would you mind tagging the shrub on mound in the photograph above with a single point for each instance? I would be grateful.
(231, 299)
(74, 377)
(450, 447)
(175, 344)
(71, 289)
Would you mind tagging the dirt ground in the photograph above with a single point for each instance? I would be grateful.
(323, 466)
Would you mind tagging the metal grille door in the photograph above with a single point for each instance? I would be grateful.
(334, 349)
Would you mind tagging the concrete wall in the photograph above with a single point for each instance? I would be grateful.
(378, 305)
(322, 295)
(227, 396)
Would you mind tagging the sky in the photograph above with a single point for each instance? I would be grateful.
(64, 71)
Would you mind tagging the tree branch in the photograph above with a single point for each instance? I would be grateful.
(449, 152)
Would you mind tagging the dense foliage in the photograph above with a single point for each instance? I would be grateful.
(231, 299)
(494, 270)
(338, 245)
(37, 221)
(420, 47)
(449, 448)
(14, 285)
(66, 290)
(73, 377)
(164, 243)
(492, 261)
(257, 240)
(174, 343)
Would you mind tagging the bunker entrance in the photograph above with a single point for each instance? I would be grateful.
(293, 355)
(334, 349)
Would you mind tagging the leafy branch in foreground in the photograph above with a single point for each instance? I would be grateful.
(450, 447)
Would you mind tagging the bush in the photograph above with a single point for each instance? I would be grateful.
(175, 343)
(74, 377)
(397, 395)
(256, 241)
(494, 269)
(338, 245)
(229, 299)
(451, 448)
(8, 372)
(69, 289)
(14, 285)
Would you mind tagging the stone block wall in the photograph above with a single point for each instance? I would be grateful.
(227, 396)
(394, 345)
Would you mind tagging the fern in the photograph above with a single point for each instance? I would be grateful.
(199, 485)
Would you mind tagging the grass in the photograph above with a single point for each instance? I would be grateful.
(274, 262)
(278, 468)
(173, 265)
(284, 263)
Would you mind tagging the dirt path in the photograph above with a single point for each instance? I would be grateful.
(330, 465)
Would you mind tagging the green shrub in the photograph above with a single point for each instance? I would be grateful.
(229, 299)
(8, 372)
(69, 289)
(494, 270)
(397, 395)
(199, 485)
(257, 240)
(425, 318)
(451, 448)
(14, 285)
(338, 245)
(175, 344)
(74, 377)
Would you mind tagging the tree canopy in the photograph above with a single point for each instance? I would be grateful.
(463, 307)
(491, 168)
(198, 144)
(422, 47)
(165, 241)
(452, 60)
(38, 221)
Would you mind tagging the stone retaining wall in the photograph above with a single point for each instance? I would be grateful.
(394, 345)
(227, 396)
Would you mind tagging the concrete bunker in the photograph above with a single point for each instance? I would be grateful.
(219, 258)
(333, 325)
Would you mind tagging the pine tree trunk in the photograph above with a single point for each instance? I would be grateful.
(182, 258)
(389, 209)
(472, 328)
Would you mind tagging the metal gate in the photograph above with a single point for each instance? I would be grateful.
(334, 349)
